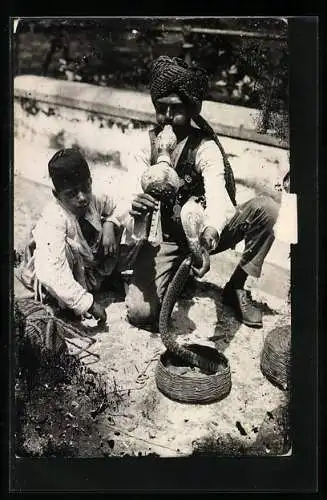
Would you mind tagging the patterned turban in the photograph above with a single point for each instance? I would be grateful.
(173, 76)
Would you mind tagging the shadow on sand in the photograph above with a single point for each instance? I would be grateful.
(226, 326)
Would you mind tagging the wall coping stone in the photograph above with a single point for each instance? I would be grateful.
(226, 119)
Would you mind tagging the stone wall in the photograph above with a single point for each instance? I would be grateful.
(227, 120)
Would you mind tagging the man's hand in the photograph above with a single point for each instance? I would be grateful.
(109, 239)
(142, 204)
(209, 239)
(199, 272)
(98, 312)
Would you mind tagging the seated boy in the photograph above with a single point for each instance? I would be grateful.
(74, 244)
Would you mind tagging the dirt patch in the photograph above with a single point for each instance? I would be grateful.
(272, 437)
(67, 410)
(54, 418)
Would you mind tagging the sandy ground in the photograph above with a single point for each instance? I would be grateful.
(129, 356)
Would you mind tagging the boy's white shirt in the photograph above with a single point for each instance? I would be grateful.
(57, 227)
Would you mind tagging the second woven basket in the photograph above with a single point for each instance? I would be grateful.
(275, 360)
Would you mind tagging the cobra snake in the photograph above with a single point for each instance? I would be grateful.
(198, 258)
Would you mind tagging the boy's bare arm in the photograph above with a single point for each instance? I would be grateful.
(109, 240)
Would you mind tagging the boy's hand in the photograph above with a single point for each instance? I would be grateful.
(142, 204)
(98, 312)
(109, 239)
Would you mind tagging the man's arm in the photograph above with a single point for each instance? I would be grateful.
(219, 207)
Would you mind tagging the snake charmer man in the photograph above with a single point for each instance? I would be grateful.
(177, 92)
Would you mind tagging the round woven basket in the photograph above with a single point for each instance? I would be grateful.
(275, 360)
(194, 387)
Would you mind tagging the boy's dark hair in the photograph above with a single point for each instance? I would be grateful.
(67, 168)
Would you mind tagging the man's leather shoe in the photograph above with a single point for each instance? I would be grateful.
(242, 304)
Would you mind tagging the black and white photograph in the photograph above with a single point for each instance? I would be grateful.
(153, 222)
